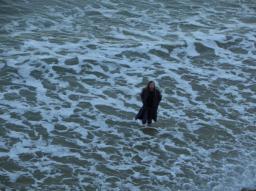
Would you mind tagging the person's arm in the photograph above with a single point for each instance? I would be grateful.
(142, 95)
(159, 96)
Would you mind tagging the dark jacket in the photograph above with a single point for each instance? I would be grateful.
(156, 100)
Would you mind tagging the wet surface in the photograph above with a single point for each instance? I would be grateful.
(71, 74)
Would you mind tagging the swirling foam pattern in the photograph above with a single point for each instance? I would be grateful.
(70, 77)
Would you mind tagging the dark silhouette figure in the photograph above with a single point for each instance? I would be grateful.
(150, 97)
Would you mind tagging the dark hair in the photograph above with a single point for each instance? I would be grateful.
(150, 82)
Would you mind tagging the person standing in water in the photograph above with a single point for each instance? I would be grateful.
(150, 97)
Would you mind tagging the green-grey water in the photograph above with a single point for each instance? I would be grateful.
(70, 77)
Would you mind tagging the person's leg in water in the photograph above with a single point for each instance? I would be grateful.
(149, 117)
(145, 116)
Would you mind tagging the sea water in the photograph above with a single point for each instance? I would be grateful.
(70, 77)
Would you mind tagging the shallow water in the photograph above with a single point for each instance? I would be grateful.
(71, 73)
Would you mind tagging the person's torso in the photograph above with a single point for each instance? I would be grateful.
(150, 98)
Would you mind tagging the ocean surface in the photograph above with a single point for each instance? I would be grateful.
(70, 77)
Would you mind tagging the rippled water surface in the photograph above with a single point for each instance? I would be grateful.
(70, 77)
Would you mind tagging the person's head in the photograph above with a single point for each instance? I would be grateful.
(151, 86)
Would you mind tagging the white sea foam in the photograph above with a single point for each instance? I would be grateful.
(198, 61)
